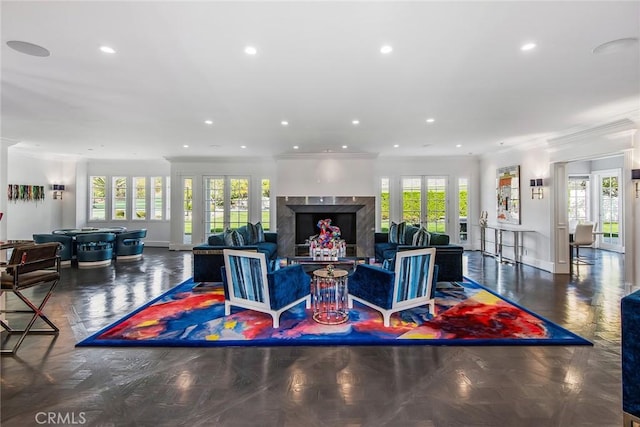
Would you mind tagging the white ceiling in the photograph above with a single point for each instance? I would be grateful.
(318, 66)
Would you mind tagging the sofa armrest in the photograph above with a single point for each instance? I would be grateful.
(271, 237)
(381, 238)
(208, 259)
(217, 250)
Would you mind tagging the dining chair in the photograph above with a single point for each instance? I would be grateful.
(582, 237)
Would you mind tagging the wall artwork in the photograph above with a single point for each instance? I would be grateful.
(25, 193)
(508, 192)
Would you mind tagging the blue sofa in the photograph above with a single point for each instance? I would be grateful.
(448, 256)
(208, 257)
(630, 310)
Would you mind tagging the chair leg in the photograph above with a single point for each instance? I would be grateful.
(37, 313)
(386, 319)
(629, 420)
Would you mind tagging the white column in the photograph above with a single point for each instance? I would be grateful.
(560, 223)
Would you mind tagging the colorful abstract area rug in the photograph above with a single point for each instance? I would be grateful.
(469, 314)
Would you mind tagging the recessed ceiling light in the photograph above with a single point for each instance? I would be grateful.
(355, 122)
(431, 120)
(345, 146)
(28, 48)
(528, 46)
(250, 50)
(107, 49)
(458, 145)
(386, 49)
(284, 123)
(396, 145)
(209, 122)
(295, 147)
(243, 146)
(185, 146)
(615, 45)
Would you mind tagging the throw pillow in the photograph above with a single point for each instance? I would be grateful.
(389, 264)
(233, 238)
(396, 233)
(255, 233)
(421, 238)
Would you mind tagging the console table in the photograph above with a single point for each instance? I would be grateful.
(499, 243)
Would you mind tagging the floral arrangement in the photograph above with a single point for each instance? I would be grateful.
(329, 234)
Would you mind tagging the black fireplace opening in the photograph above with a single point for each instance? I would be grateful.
(307, 225)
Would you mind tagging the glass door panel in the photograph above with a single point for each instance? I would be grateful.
(610, 209)
(411, 200)
(187, 205)
(239, 202)
(436, 200)
(214, 206)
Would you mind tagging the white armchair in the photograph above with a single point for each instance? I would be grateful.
(412, 284)
(249, 285)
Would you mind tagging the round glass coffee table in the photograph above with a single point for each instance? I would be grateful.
(330, 296)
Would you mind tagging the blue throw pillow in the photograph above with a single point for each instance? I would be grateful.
(233, 238)
(421, 238)
(396, 233)
(255, 233)
(389, 264)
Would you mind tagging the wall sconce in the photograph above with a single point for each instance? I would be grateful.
(57, 191)
(635, 177)
(536, 188)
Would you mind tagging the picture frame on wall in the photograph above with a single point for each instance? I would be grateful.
(508, 194)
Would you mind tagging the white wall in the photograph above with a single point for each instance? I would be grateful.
(333, 174)
(23, 219)
(535, 213)
(4, 150)
(632, 244)
(158, 232)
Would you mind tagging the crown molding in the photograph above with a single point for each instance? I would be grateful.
(618, 126)
(330, 155)
(213, 159)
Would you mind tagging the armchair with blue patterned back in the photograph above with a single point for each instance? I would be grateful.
(410, 284)
(129, 244)
(94, 249)
(66, 245)
(248, 284)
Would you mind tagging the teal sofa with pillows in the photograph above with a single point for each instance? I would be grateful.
(405, 236)
(208, 258)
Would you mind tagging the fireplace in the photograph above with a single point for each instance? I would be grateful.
(297, 218)
(307, 225)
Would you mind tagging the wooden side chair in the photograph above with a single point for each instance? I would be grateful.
(30, 265)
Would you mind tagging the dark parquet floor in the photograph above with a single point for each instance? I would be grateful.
(320, 386)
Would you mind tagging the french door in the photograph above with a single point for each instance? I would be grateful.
(610, 225)
(424, 202)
